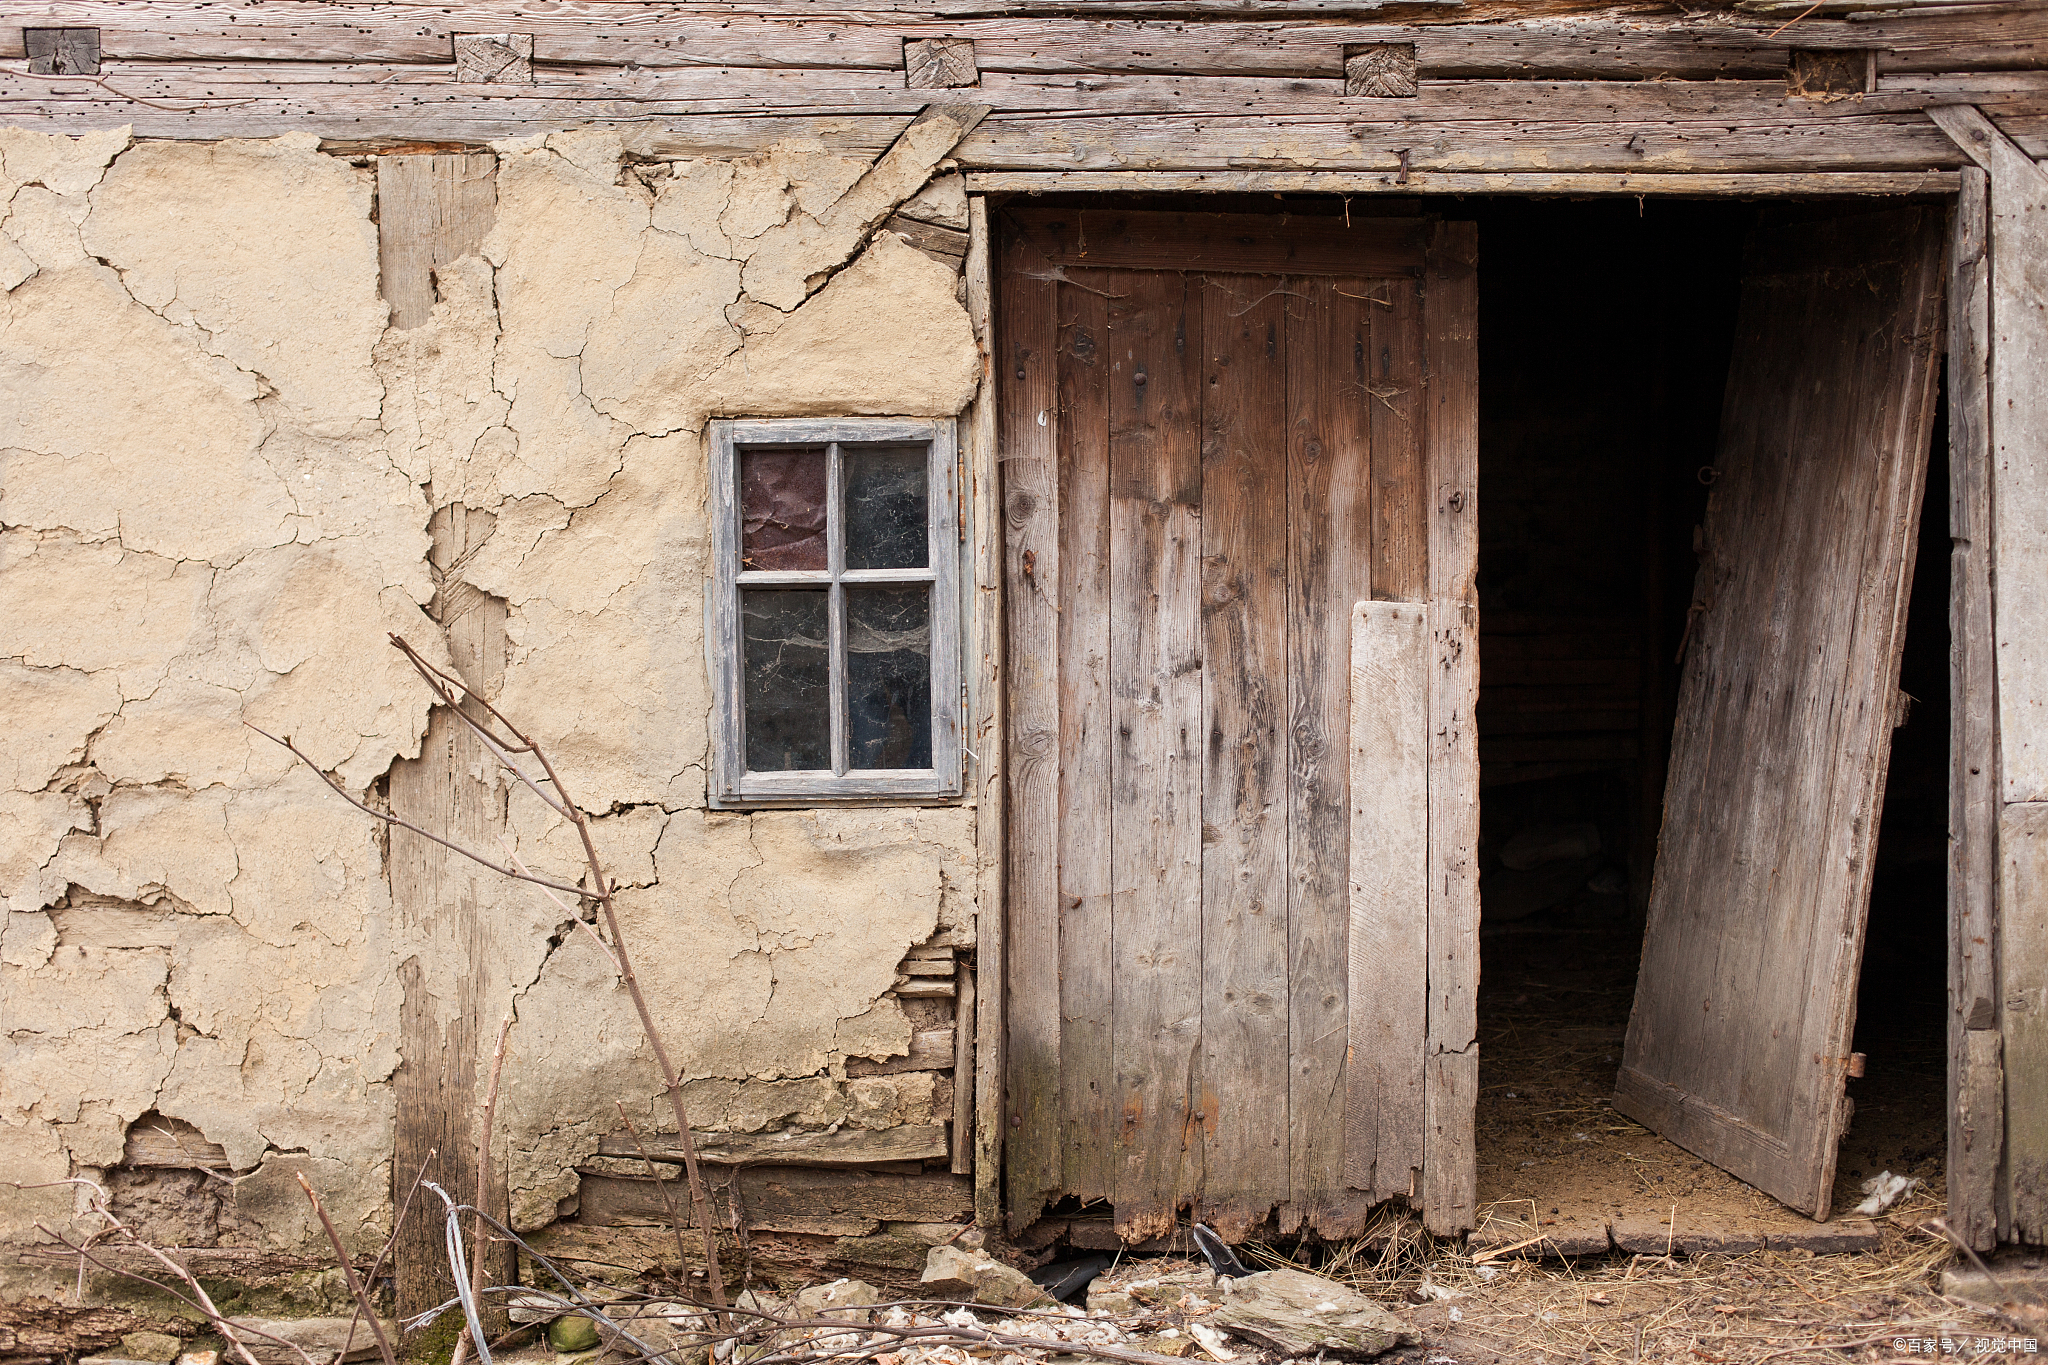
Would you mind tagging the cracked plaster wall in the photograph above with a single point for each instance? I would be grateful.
(217, 469)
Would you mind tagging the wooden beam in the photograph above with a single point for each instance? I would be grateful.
(989, 731)
(62, 51)
(1113, 239)
(1787, 184)
(2023, 984)
(1976, 1084)
(431, 210)
(787, 1199)
(848, 1147)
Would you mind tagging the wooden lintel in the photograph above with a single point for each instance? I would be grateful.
(1737, 184)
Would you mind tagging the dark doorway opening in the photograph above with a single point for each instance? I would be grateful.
(1606, 331)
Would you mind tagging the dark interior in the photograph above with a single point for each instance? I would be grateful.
(1605, 329)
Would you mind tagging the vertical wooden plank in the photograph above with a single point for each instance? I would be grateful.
(1451, 1084)
(2023, 976)
(1244, 770)
(1155, 332)
(1976, 1083)
(430, 210)
(961, 1145)
(1390, 880)
(986, 745)
(1398, 421)
(1329, 544)
(1087, 1132)
(1028, 418)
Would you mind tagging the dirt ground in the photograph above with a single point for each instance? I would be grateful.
(1556, 1160)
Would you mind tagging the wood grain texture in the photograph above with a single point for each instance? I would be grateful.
(986, 745)
(1028, 417)
(1389, 896)
(960, 1143)
(1397, 423)
(1708, 185)
(1221, 242)
(847, 1203)
(1329, 526)
(1744, 1008)
(2019, 444)
(431, 210)
(1245, 835)
(446, 901)
(1164, 1122)
(1451, 1081)
(2023, 972)
(1976, 1082)
(1087, 970)
(851, 1147)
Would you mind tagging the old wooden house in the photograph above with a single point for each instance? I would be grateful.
(1085, 558)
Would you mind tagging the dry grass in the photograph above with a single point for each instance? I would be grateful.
(1793, 1307)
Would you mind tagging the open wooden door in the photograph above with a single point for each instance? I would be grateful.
(1218, 434)
(1738, 1048)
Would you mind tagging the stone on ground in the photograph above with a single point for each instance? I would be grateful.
(1293, 1313)
(324, 1339)
(158, 1346)
(837, 1299)
(953, 1272)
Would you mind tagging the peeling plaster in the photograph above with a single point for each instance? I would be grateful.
(217, 467)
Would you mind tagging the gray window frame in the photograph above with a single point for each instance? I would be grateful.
(731, 782)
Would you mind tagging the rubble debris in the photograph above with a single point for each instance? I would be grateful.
(839, 1299)
(953, 1272)
(1297, 1314)
(324, 1339)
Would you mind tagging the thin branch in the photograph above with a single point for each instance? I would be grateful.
(567, 908)
(404, 824)
(348, 1271)
(483, 1174)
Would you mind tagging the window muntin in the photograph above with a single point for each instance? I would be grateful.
(834, 613)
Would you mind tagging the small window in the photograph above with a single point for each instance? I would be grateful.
(834, 614)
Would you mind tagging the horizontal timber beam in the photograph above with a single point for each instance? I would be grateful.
(1453, 182)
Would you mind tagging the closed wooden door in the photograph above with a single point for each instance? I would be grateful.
(1738, 1047)
(1218, 434)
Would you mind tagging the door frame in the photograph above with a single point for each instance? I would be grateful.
(1979, 1181)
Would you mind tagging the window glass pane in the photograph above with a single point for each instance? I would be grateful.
(788, 679)
(782, 509)
(885, 507)
(889, 677)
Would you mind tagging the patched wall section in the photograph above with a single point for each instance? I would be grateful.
(217, 470)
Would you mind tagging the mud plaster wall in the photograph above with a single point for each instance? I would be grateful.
(217, 470)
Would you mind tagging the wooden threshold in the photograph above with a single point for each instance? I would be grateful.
(1699, 184)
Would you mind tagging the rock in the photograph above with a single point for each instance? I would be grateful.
(839, 1299)
(574, 1334)
(1167, 1290)
(754, 1301)
(1114, 1302)
(156, 1346)
(324, 1339)
(526, 1309)
(1297, 1314)
(115, 1360)
(674, 1330)
(953, 1272)
(199, 1358)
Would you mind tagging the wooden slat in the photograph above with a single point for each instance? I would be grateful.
(1155, 396)
(1976, 1082)
(1241, 243)
(1389, 856)
(848, 1147)
(1028, 417)
(1329, 545)
(2019, 445)
(2023, 973)
(987, 745)
(1451, 1083)
(1397, 419)
(446, 204)
(1738, 1043)
(1244, 770)
(1087, 1087)
(930, 1050)
(960, 1142)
